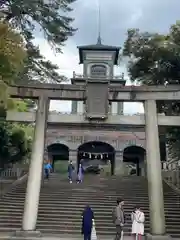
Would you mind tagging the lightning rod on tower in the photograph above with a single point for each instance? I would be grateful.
(99, 41)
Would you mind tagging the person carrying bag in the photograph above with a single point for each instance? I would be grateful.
(88, 225)
(93, 234)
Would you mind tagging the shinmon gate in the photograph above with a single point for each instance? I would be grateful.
(96, 91)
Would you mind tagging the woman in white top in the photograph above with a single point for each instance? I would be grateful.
(138, 218)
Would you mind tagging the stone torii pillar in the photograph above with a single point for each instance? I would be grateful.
(155, 186)
(35, 168)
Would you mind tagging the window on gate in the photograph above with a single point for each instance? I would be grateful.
(98, 71)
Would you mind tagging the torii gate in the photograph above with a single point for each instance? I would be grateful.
(97, 96)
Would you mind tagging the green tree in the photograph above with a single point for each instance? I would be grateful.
(4, 144)
(20, 143)
(23, 105)
(12, 57)
(12, 53)
(15, 142)
(21, 135)
(155, 59)
(52, 19)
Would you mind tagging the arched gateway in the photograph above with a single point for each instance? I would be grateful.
(96, 152)
(58, 152)
(135, 155)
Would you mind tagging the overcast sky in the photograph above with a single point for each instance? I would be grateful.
(116, 17)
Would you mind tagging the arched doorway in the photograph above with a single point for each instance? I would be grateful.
(58, 154)
(96, 153)
(134, 156)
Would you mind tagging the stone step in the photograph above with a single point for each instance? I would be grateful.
(61, 227)
(81, 194)
(100, 197)
(76, 234)
(84, 189)
(95, 186)
(74, 202)
(87, 200)
(61, 214)
(55, 214)
(106, 211)
(90, 200)
(79, 203)
(80, 206)
(111, 201)
(77, 221)
(61, 205)
(60, 232)
(74, 194)
(95, 204)
(100, 194)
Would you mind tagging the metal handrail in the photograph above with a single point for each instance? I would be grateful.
(8, 174)
(2, 180)
(172, 177)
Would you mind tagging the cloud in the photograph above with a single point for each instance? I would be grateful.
(67, 62)
(116, 17)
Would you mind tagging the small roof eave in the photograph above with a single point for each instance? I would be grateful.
(98, 47)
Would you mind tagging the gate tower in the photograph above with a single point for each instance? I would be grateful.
(98, 73)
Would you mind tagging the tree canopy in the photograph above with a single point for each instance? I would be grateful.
(52, 20)
(12, 58)
(21, 61)
(15, 143)
(155, 59)
(16, 139)
(12, 53)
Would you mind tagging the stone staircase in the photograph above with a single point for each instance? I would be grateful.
(61, 205)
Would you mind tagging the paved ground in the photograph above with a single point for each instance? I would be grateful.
(64, 237)
(57, 238)
(8, 237)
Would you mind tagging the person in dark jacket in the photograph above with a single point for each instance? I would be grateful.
(70, 171)
(87, 222)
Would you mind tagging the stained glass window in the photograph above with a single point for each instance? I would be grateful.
(98, 70)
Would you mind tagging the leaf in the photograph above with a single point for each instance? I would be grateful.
(155, 59)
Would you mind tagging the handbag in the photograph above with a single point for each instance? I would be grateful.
(93, 234)
(138, 218)
(122, 235)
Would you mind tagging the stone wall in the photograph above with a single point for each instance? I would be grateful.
(73, 137)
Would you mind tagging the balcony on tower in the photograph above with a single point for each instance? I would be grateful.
(81, 78)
